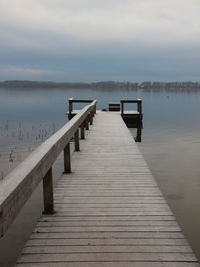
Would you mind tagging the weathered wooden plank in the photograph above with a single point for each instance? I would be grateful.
(72, 202)
(110, 200)
(125, 206)
(106, 186)
(113, 257)
(113, 228)
(106, 223)
(107, 194)
(87, 213)
(108, 235)
(108, 241)
(107, 207)
(103, 219)
(105, 249)
(111, 264)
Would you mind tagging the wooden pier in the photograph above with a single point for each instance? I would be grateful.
(107, 208)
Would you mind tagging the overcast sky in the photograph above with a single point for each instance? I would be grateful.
(94, 40)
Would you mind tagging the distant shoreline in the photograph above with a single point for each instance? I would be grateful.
(168, 86)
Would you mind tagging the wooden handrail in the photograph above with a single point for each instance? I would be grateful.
(137, 101)
(17, 187)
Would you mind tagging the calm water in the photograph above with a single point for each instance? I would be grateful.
(170, 145)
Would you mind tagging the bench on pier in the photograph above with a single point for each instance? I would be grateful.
(114, 107)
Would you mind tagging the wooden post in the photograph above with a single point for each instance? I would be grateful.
(93, 114)
(1, 224)
(87, 123)
(139, 106)
(138, 137)
(122, 107)
(76, 141)
(82, 131)
(70, 105)
(67, 159)
(91, 118)
(48, 193)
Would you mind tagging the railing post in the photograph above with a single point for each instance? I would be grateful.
(67, 159)
(87, 123)
(122, 107)
(76, 141)
(48, 193)
(1, 224)
(82, 131)
(70, 105)
(93, 114)
(91, 117)
(139, 106)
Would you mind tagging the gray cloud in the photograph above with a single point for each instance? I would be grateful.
(97, 40)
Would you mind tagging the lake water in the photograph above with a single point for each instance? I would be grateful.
(170, 145)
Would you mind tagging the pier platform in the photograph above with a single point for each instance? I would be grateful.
(130, 117)
(109, 211)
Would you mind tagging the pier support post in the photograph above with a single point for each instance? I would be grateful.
(48, 193)
(76, 141)
(67, 159)
(122, 107)
(82, 131)
(91, 117)
(70, 105)
(139, 106)
(87, 123)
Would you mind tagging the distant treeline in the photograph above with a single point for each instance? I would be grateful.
(184, 86)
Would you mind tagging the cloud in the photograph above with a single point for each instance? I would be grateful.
(151, 21)
(58, 39)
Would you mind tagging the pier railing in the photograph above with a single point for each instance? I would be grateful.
(137, 101)
(73, 101)
(17, 187)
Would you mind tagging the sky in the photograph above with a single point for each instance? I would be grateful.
(100, 40)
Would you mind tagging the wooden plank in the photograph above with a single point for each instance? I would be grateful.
(87, 213)
(105, 223)
(113, 228)
(104, 249)
(110, 264)
(131, 206)
(108, 235)
(109, 257)
(107, 241)
(103, 219)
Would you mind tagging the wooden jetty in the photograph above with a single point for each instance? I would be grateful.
(106, 209)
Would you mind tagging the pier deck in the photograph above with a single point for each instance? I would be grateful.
(109, 210)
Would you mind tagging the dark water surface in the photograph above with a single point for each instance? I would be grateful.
(170, 145)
